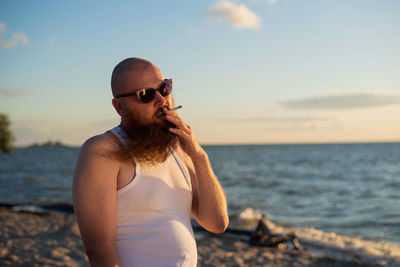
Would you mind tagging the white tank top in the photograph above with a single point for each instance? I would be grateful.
(154, 215)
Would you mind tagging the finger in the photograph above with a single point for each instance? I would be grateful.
(178, 122)
(174, 120)
(171, 113)
(179, 132)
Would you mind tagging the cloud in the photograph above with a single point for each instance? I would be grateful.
(16, 38)
(286, 123)
(19, 92)
(344, 101)
(271, 2)
(239, 15)
(280, 119)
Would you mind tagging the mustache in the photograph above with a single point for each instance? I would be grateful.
(160, 110)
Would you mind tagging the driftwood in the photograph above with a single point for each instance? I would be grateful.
(263, 237)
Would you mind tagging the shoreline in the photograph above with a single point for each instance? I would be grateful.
(53, 239)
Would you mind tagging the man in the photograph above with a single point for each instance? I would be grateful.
(136, 186)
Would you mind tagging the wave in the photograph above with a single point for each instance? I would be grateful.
(39, 208)
(330, 244)
(250, 214)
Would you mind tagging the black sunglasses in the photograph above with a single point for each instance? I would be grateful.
(146, 95)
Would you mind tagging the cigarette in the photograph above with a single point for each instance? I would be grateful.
(175, 108)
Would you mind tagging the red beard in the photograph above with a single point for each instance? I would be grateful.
(149, 143)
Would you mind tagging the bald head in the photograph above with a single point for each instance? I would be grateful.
(129, 65)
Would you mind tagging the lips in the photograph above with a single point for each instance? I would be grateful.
(160, 113)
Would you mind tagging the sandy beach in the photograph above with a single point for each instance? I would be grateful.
(53, 240)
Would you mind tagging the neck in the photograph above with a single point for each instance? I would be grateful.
(123, 124)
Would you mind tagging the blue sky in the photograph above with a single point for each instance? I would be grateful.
(256, 71)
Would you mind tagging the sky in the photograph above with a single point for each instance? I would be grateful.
(246, 72)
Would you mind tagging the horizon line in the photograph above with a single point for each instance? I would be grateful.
(248, 144)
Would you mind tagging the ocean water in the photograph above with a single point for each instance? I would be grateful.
(341, 198)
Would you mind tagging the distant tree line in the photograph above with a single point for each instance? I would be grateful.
(48, 143)
(6, 136)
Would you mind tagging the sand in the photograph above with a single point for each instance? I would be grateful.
(28, 239)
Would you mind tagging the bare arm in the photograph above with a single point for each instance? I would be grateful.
(95, 199)
(209, 205)
(209, 201)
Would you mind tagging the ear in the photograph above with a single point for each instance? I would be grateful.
(117, 105)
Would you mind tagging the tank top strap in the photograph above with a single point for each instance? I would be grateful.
(120, 134)
(183, 169)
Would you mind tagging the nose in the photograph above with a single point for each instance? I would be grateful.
(159, 100)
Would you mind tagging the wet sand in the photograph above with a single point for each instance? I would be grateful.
(28, 239)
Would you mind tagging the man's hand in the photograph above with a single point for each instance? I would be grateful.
(185, 135)
(209, 205)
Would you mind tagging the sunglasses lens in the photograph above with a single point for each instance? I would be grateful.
(147, 95)
(165, 88)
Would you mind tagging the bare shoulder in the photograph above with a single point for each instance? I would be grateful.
(100, 145)
(95, 162)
